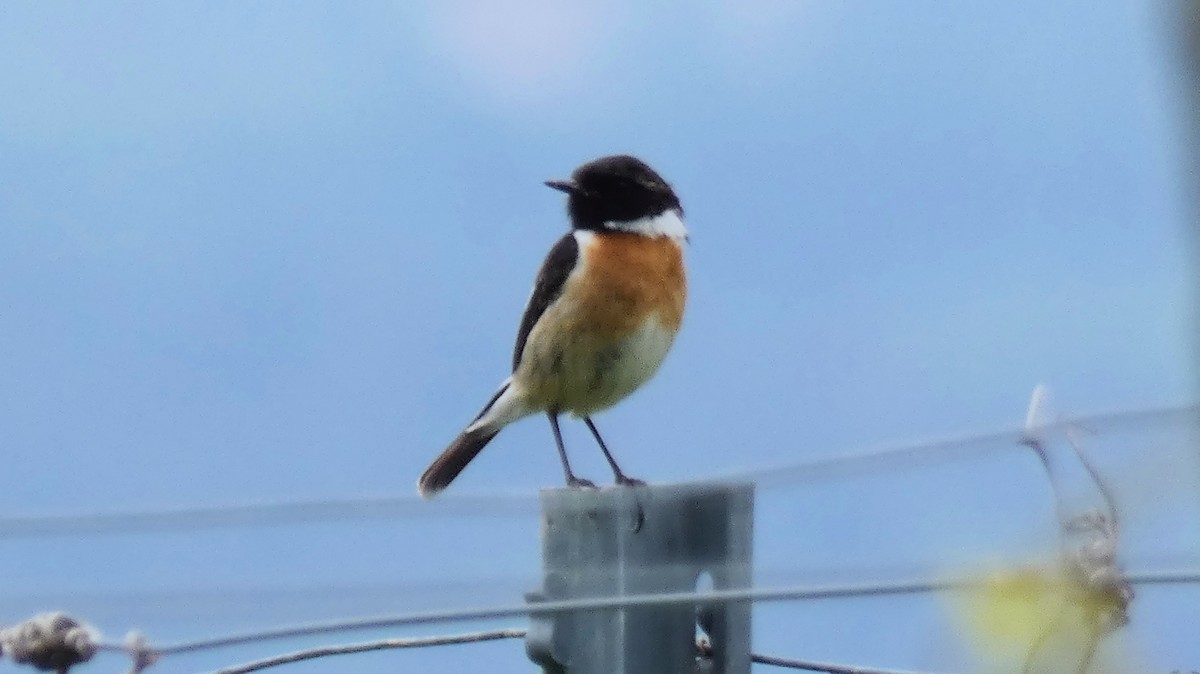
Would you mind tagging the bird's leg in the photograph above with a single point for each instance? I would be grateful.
(621, 477)
(572, 481)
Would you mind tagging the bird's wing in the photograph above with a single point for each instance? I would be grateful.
(549, 285)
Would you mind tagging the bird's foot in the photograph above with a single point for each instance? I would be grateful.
(626, 481)
(580, 483)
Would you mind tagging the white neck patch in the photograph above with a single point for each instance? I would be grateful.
(669, 224)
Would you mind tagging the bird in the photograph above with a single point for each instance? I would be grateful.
(606, 306)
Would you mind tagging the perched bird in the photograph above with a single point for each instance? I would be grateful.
(604, 311)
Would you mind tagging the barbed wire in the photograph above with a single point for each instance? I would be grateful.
(56, 641)
(1091, 570)
(49, 641)
(525, 504)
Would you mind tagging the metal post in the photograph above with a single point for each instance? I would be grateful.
(643, 540)
(1186, 22)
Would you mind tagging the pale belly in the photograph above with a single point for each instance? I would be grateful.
(570, 370)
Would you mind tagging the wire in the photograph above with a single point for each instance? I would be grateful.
(828, 668)
(525, 504)
(512, 633)
(705, 650)
(1110, 500)
(945, 449)
(145, 655)
(266, 514)
(595, 603)
(658, 599)
(386, 644)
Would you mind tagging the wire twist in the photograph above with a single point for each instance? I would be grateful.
(52, 642)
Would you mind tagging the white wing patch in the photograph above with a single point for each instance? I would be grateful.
(507, 408)
(584, 238)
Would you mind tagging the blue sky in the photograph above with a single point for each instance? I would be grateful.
(275, 252)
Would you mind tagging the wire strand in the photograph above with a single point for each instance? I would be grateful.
(521, 504)
(705, 650)
(512, 633)
(386, 644)
(596, 603)
(827, 667)
(945, 449)
(282, 513)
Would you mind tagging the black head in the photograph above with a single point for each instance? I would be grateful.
(615, 189)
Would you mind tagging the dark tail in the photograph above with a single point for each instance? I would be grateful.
(487, 424)
(451, 462)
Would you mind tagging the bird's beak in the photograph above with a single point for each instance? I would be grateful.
(567, 186)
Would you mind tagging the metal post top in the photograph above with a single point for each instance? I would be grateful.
(622, 497)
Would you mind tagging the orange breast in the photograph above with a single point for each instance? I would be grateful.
(629, 278)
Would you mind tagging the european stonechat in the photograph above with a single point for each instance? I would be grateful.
(604, 311)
